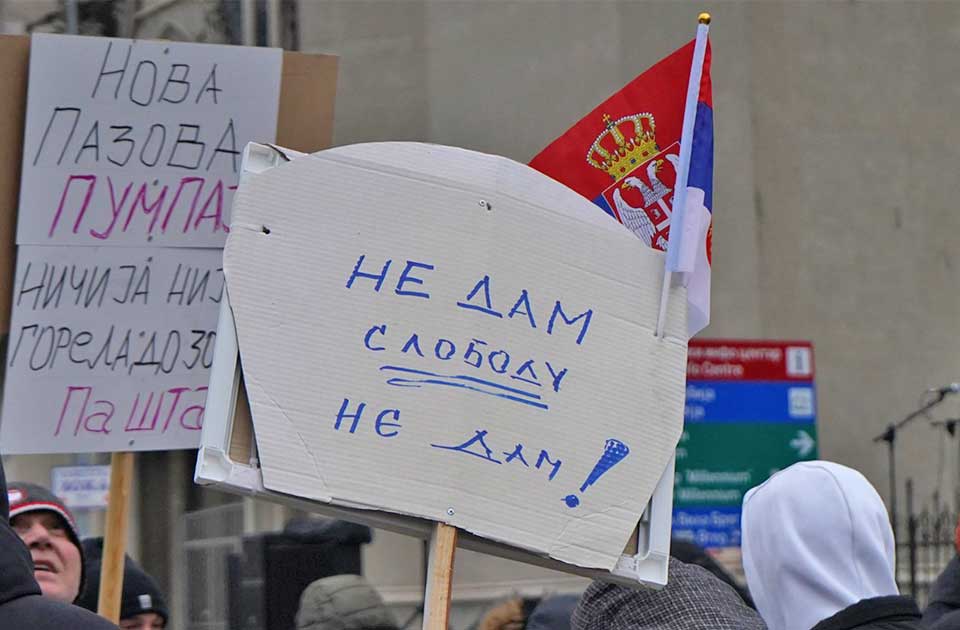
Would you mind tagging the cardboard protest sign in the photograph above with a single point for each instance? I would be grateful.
(118, 276)
(436, 332)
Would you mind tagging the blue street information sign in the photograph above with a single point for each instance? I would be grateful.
(750, 411)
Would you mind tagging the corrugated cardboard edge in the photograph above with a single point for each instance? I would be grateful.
(241, 438)
(308, 91)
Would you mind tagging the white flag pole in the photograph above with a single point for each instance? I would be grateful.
(678, 224)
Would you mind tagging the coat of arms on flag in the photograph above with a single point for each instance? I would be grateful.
(626, 157)
(641, 196)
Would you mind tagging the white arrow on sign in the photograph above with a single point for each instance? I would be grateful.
(803, 443)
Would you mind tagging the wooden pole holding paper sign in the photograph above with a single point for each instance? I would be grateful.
(436, 605)
(115, 538)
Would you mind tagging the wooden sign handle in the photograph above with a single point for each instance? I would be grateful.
(115, 538)
(436, 605)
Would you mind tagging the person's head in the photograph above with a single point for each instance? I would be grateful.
(512, 614)
(816, 539)
(691, 553)
(142, 604)
(143, 621)
(343, 602)
(552, 613)
(693, 599)
(49, 531)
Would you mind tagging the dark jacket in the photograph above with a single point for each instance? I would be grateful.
(893, 612)
(949, 621)
(693, 599)
(21, 605)
(945, 599)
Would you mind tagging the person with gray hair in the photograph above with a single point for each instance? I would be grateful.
(693, 599)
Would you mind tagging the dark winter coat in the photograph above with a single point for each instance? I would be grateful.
(22, 607)
(949, 621)
(892, 612)
(945, 599)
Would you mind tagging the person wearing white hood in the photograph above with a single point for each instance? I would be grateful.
(818, 552)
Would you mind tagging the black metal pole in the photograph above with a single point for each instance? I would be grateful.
(892, 457)
(890, 437)
(912, 539)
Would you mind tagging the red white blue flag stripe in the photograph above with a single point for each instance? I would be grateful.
(629, 157)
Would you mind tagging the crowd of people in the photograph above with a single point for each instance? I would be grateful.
(818, 554)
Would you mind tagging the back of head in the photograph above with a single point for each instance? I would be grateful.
(691, 553)
(816, 539)
(343, 602)
(553, 613)
(693, 599)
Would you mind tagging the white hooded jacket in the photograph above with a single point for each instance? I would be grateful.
(816, 539)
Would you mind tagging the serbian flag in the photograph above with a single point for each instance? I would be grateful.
(645, 156)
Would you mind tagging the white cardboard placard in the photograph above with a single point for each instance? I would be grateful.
(109, 348)
(512, 330)
(132, 142)
(132, 151)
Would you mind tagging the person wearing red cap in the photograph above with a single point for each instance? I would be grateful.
(22, 607)
(49, 531)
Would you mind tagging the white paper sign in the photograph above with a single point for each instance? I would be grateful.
(134, 142)
(109, 348)
(437, 332)
(81, 487)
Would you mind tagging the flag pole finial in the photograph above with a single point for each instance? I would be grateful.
(704, 18)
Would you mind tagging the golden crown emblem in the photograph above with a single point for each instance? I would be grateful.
(624, 143)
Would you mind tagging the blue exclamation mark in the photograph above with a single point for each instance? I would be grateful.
(613, 454)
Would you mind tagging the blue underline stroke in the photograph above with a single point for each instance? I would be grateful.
(444, 380)
(463, 377)
(401, 382)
